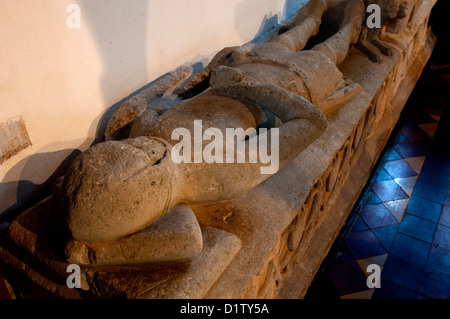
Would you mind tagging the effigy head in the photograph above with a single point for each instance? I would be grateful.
(116, 188)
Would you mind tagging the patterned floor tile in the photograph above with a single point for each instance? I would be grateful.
(401, 138)
(420, 117)
(364, 244)
(390, 290)
(411, 249)
(416, 163)
(439, 260)
(347, 278)
(407, 184)
(402, 272)
(435, 285)
(359, 224)
(341, 253)
(409, 149)
(388, 191)
(445, 216)
(404, 223)
(377, 216)
(386, 235)
(391, 155)
(363, 295)
(424, 208)
(447, 198)
(372, 198)
(429, 128)
(4, 293)
(397, 208)
(434, 177)
(435, 114)
(382, 175)
(376, 260)
(414, 133)
(399, 169)
(418, 228)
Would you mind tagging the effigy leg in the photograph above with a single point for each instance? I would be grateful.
(302, 121)
(306, 25)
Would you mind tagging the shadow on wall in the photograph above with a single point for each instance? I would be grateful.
(117, 49)
(25, 193)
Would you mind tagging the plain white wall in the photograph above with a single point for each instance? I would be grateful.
(62, 80)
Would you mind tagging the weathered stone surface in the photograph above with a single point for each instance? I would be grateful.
(390, 10)
(287, 223)
(30, 253)
(175, 236)
(117, 188)
(166, 281)
(220, 249)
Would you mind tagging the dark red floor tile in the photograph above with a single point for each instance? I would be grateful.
(4, 293)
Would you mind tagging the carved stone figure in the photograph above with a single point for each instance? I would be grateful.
(390, 10)
(115, 193)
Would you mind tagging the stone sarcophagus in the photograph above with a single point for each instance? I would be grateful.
(285, 135)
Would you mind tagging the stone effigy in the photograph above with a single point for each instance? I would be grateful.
(228, 237)
(113, 191)
(390, 10)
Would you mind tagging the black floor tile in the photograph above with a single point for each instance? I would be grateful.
(411, 249)
(390, 290)
(402, 272)
(418, 228)
(435, 285)
(424, 208)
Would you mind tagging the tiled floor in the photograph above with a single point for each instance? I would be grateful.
(402, 223)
